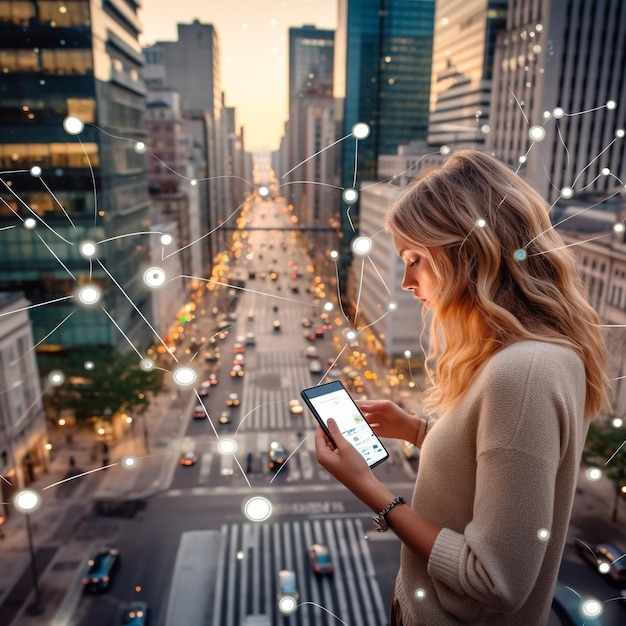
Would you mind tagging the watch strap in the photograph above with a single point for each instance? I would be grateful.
(380, 519)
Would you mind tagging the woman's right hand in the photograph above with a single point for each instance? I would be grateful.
(389, 420)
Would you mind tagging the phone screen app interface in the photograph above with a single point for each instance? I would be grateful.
(339, 406)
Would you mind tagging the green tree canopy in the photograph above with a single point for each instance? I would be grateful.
(100, 381)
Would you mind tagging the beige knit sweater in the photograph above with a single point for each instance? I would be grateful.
(498, 475)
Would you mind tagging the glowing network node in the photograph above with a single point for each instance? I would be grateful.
(420, 593)
(593, 473)
(89, 295)
(328, 306)
(257, 509)
(140, 147)
(522, 158)
(592, 607)
(361, 130)
(264, 192)
(558, 112)
(30, 223)
(27, 500)
(56, 378)
(604, 567)
(481, 223)
(392, 306)
(350, 196)
(611, 104)
(194, 182)
(89, 365)
(445, 150)
(485, 128)
(543, 534)
(239, 555)
(619, 133)
(35, 171)
(334, 255)
(350, 334)
(166, 239)
(537, 133)
(146, 364)
(547, 115)
(617, 422)
(362, 245)
(520, 254)
(73, 125)
(567, 192)
(129, 462)
(88, 249)
(407, 354)
(605, 171)
(184, 376)
(154, 277)
(227, 446)
(287, 605)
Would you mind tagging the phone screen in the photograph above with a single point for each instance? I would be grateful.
(333, 400)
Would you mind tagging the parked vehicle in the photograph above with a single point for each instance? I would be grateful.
(102, 568)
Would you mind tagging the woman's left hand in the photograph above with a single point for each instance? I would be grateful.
(344, 462)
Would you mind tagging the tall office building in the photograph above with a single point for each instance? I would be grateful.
(559, 67)
(191, 65)
(311, 53)
(383, 58)
(460, 90)
(74, 59)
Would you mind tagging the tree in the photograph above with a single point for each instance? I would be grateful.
(100, 381)
(606, 449)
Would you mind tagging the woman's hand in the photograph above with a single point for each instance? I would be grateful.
(344, 462)
(389, 420)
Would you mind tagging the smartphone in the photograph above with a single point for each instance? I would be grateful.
(333, 400)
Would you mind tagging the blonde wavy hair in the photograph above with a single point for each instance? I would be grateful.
(504, 274)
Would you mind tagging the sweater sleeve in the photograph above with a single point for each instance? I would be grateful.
(524, 410)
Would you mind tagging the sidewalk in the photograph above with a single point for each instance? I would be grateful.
(60, 545)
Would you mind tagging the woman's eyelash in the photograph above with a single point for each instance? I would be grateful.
(413, 263)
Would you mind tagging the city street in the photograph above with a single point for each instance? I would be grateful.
(151, 515)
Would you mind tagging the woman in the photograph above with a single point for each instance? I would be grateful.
(519, 370)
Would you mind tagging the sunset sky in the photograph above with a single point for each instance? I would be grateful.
(254, 46)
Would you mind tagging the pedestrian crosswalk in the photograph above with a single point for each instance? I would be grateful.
(276, 378)
(252, 554)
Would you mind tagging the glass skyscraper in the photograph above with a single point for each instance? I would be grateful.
(383, 55)
(75, 58)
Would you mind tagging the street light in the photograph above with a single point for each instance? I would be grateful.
(27, 501)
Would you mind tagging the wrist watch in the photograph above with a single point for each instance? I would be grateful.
(380, 521)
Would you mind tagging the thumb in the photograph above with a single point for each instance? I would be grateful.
(334, 429)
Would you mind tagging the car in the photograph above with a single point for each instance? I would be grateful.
(212, 357)
(568, 608)
(250, 339)
(237, 371)
(295, 408)
(205, 389)
(188, 458)
(199, 412)
(319, 556)
(306, 322)
(239, 359)
(232, 400)
(238, 348)
(277, 456)
(224, 417)
(135, 614)
(101, 570)
(319, 333)
(309, 335)
(288, 595)
(312, 352)
(315, 367)
(276, 326)
(212, 379)
(606, 558)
